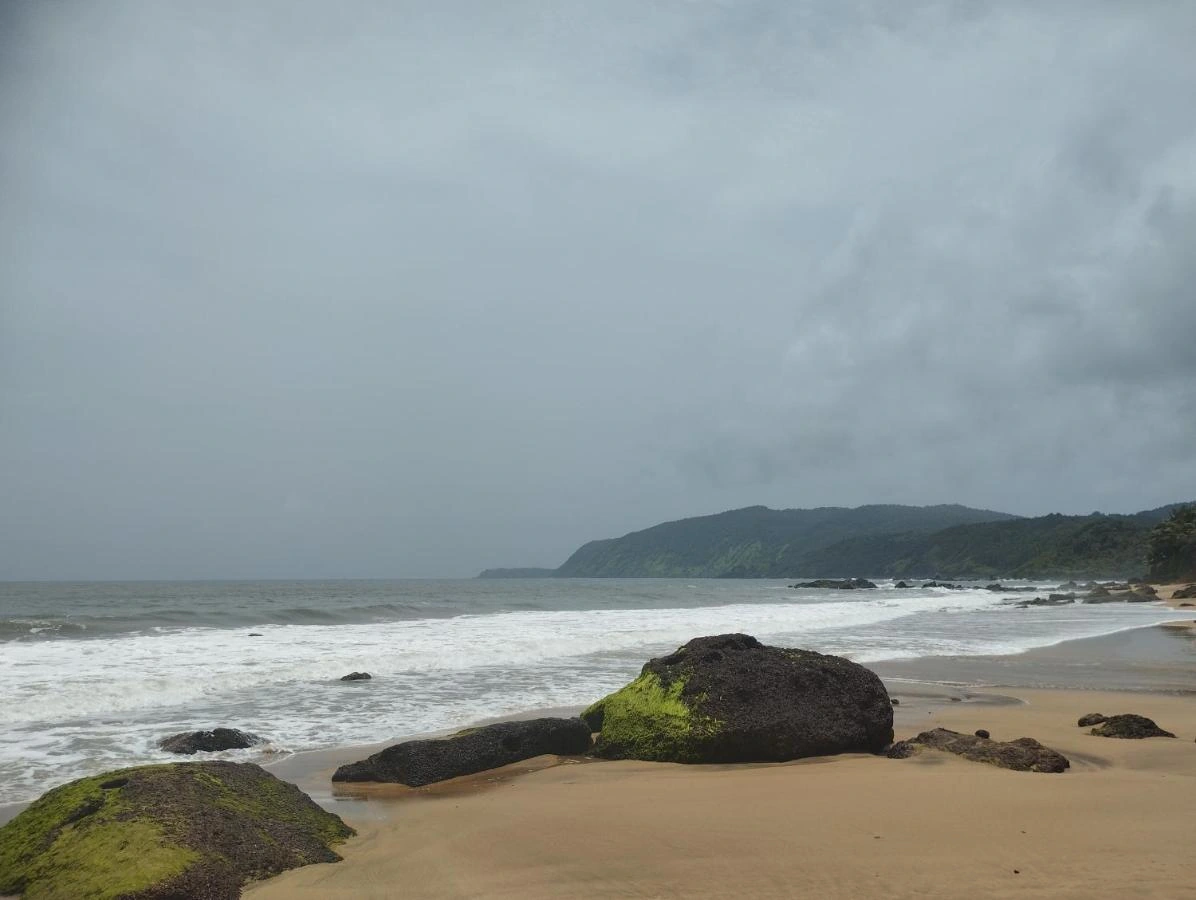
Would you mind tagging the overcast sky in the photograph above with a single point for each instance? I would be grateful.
(305, 289)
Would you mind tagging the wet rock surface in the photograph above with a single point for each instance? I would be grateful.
(189, 743)
(416, 763)
(1021, 755)
(1130, 726)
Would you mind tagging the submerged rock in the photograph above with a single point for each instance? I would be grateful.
(357, 676)
(416, 763)
(190, 742)
(1129, 726)
(179, 830)
(1021, 755)
(1091, 719)
(1050, 600)
(729, 698)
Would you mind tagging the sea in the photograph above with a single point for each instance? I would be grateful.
(92, 675)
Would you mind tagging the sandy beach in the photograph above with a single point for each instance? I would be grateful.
(1117, 823)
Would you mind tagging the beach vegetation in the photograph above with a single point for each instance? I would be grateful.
(1172, 546)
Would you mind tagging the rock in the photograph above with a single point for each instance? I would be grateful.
(1129, 725)
(213, 741)
(894, 701)
(1051, 600)
(982, 733)
(416, 763)
(729, 698)
(254, 634)
(1139, 596)
(1021, 755)
(1069, 586)
(164, 832)
(902, 584)
(1182, 605)
(357, 676)
(1091, 719)
(1185, 593)
(849, 584)
(1097, 592)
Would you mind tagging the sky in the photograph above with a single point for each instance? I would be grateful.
(398, 289)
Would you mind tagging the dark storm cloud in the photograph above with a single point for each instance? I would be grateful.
(401, 289)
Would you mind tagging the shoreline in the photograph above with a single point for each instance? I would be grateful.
(1128, 664)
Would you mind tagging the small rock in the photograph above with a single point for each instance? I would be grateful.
(254, 634)
(357, 676)
(1129, 725)
(1021, 755)
(1087, 721)
(894, 701)
(981, 732)
(191, 742)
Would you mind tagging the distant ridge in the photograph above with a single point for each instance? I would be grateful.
(757, 542)
(525, 572)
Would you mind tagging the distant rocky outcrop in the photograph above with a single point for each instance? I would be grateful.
(729, 698)
(1022, 755)
(357, 676)
(1185, 593)
(416, 763)
(1050, 600)
(190, 742)
(182, 830)
(1129, 725)
(524, 572)
(846, 584)
(1090, 719)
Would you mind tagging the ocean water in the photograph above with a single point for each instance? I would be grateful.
(93, 674)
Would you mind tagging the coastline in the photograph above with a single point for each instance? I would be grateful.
(848, 826)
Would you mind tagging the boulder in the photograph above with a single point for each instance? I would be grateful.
(848, 584)
(1129, 726)
(416, 763)
(1185, 593)
(1090, 719)
(729, 698)
(1021, 755)
(1097, 592)
(193, 829)
(902, 584)
(982, 733)
(357, 676)
(190, 742)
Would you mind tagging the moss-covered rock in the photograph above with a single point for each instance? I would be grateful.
(729, 698)
(167, 832)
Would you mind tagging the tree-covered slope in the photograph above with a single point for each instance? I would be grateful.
(755, 541)
(1094, 546)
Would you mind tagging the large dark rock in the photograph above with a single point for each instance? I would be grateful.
(217, 739)
(1050, 600)
(1185, 593)
(1090, 719)
(847, 584)
(1129, 726)
(168, 832)
(357, 676)
(1021, 755)
(416, 763)
(729, 698)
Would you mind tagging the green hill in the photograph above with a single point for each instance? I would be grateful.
(755, 542)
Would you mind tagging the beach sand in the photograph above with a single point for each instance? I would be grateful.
(935, 826)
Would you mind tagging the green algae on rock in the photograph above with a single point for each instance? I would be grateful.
(729, 698)
(164, 832)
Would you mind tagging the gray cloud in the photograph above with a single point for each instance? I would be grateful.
(289, 289)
